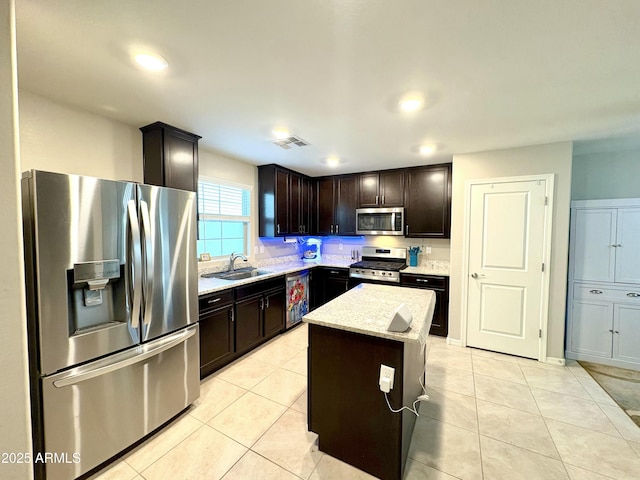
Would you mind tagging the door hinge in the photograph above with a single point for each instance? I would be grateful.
(543, 266)
(546, 201)
(540, 333)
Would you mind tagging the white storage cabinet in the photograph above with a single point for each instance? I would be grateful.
(603, 321)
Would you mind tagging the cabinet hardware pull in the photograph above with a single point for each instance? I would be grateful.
(267, 302)
(233, 317)
(333, 272)
(214, 300)
(376, 199)
(422, 280)
(278, 229)
(597, 292)
(632, 294)
(406, 229)
(262, 304)
(382, 199)
(331, 229)
(337, 226)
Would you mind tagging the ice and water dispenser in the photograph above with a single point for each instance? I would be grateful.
(97, 296)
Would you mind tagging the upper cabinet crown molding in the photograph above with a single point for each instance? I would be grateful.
(170, 156)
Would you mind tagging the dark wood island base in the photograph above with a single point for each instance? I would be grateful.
(346, 407)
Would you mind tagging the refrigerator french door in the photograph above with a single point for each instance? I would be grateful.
(112, 314)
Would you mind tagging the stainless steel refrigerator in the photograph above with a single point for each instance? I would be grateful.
(112, 315)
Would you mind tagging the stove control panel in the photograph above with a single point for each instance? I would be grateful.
(379, 275)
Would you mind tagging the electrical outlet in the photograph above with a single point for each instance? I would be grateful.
(386, 378)
(428, 249)
(340, 246)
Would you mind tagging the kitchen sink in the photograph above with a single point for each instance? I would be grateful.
(238, 274)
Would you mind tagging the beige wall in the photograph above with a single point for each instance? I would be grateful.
(612, 174)
(60, 138)
(543, 159)
(15, 430)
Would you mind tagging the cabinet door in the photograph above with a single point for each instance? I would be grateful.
(627, 241)
(325, 198)
(346, 204)
(316, 288)
(626, 332)
(295, 203)
(274, 310)
(392, 188)
(181, 162)
(248, 323)
(428, 202)
(440, 286)
(591, 328)
(306, 205)
(336, 282)
(368, 194)
(282, 202)
(216, 339)
(594, 237)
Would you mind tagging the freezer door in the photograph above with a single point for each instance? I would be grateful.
(94, 411)
(80, 277)
(170, 268)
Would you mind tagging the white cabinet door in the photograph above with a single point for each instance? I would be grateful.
(626, 337)
(627, 243)
(594, 235)
(591, 329)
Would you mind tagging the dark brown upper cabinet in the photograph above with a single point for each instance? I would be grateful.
(337, 200)
(381, 189)
(170, 156)
(284, 202)
(427, 201)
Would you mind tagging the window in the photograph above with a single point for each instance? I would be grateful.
(224, 213)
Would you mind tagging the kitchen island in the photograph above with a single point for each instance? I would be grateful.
(348, 342)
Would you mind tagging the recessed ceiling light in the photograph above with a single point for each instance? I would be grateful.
(427, 149)
(281, 133)
(412, 102)
(332, 162)
(151, 61)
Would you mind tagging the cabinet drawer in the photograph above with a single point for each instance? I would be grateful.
(607, 294)
(336, 272)
(215, 300)
(423, 281)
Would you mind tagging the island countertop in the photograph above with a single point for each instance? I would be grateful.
(367, 309)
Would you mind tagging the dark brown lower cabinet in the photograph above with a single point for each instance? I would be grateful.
(335, 282)
(234, 321)
(216, 331)
(248, 322)
(346, 407)
(440, 285)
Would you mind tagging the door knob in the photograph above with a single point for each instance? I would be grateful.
(477, 275)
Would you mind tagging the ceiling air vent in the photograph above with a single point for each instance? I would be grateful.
(289, 142)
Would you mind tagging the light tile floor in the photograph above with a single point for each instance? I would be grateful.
(490, 416)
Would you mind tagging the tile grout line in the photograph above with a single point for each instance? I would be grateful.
(475, 399)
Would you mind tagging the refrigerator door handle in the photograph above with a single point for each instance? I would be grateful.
(85, 373)
(148, 259)
(134, 276)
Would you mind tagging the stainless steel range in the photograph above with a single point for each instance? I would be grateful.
(380, 264)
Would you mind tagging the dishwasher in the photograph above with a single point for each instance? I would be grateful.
(297, 297)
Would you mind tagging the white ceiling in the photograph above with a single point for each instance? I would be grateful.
(497, 73)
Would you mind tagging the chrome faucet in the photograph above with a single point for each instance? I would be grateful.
(232, 258)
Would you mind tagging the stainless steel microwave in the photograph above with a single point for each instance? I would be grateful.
(379, 221)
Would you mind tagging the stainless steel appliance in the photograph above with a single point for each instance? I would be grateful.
(112, 314)
(379, 221)
(380, 264)
(297, 297)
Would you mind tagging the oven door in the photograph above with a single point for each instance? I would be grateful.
(379, 221)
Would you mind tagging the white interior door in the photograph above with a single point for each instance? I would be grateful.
(506, 253)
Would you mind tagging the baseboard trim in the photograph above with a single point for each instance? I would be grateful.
(454, 341)
(556, 361)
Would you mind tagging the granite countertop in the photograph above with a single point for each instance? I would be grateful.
(211, 285)
(275, 269)
(367, 309)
